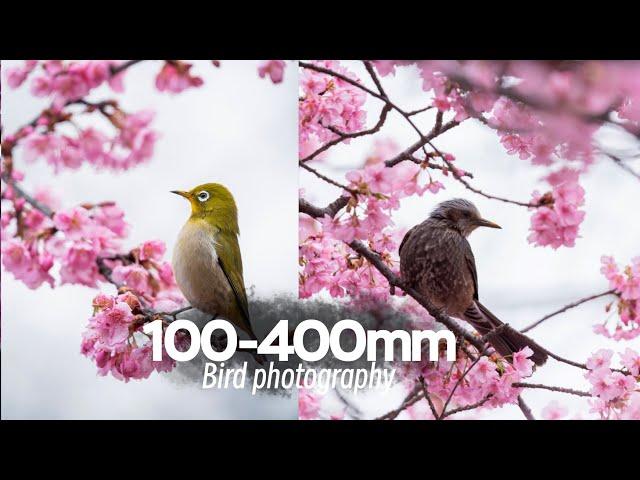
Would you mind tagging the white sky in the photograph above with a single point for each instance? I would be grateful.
(518, 282)
(237, 129)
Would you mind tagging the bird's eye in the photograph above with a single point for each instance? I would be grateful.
(203, 196)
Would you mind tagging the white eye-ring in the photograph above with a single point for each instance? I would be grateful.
(203, 196)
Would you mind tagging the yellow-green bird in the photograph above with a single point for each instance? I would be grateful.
(206, 260)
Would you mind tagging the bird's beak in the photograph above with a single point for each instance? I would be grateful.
(486, 223)
(181, 193)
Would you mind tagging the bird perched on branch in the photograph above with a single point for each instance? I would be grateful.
(437, 261)
(206, 260)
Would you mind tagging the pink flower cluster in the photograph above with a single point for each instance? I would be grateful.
(556, 222)
(110, 339)
(490, 377)
(328, 103)
(86, 235)
(541, 136)
(150, 277)
(133, 143)
(75, 237)
(543, 111)
(65, 82)
(627, 286)
(27, 263)
(327, 262)
(175, 77)
(617, 394)
(272, 68)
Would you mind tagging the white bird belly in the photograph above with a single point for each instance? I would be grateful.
(197, 272)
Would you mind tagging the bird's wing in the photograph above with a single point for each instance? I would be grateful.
(404, 239)
(471, 265)
(230, 262)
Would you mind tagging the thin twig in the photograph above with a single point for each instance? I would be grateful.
(345, 136)
(570, 391)
(618, 161)
(467, 407)
(28, 198)
(326, 179)
(414, 396)
(567, 307)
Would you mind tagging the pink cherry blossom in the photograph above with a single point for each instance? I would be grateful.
(27, 264)
(176, 77)
(631, 360)
(626, 285)
(274, 69)
(133, 276)
(308, 404)
(152, 250)
(554, 411)
(328, 103)
(600, 359)
(557, 224)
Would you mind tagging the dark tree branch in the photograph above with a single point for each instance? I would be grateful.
(467, 407)
(425, 394)
(525, 408)
(6, 178)
(570, 391)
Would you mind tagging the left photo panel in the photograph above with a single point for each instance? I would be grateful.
(142, 201)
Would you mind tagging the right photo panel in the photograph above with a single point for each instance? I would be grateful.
(468, 240)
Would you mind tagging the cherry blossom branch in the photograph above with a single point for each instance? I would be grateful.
(407, 154)
(7, 147)
(511, 94)
(415, 396)
(464, 408)
(473, 189)
(325, 178)
(568, 307)
(6, 178)
(619, 162)
(124, 66)
(345, 136)
(332, 209)
(425, 394)
(464, 374)
(525, 408)
(570, 391)
(437, 129)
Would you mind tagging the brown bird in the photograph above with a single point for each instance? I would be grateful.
(436, 260)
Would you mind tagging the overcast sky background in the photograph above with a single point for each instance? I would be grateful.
(518, 282)
(237, 129)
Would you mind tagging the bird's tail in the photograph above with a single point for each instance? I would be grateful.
(508, 340)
